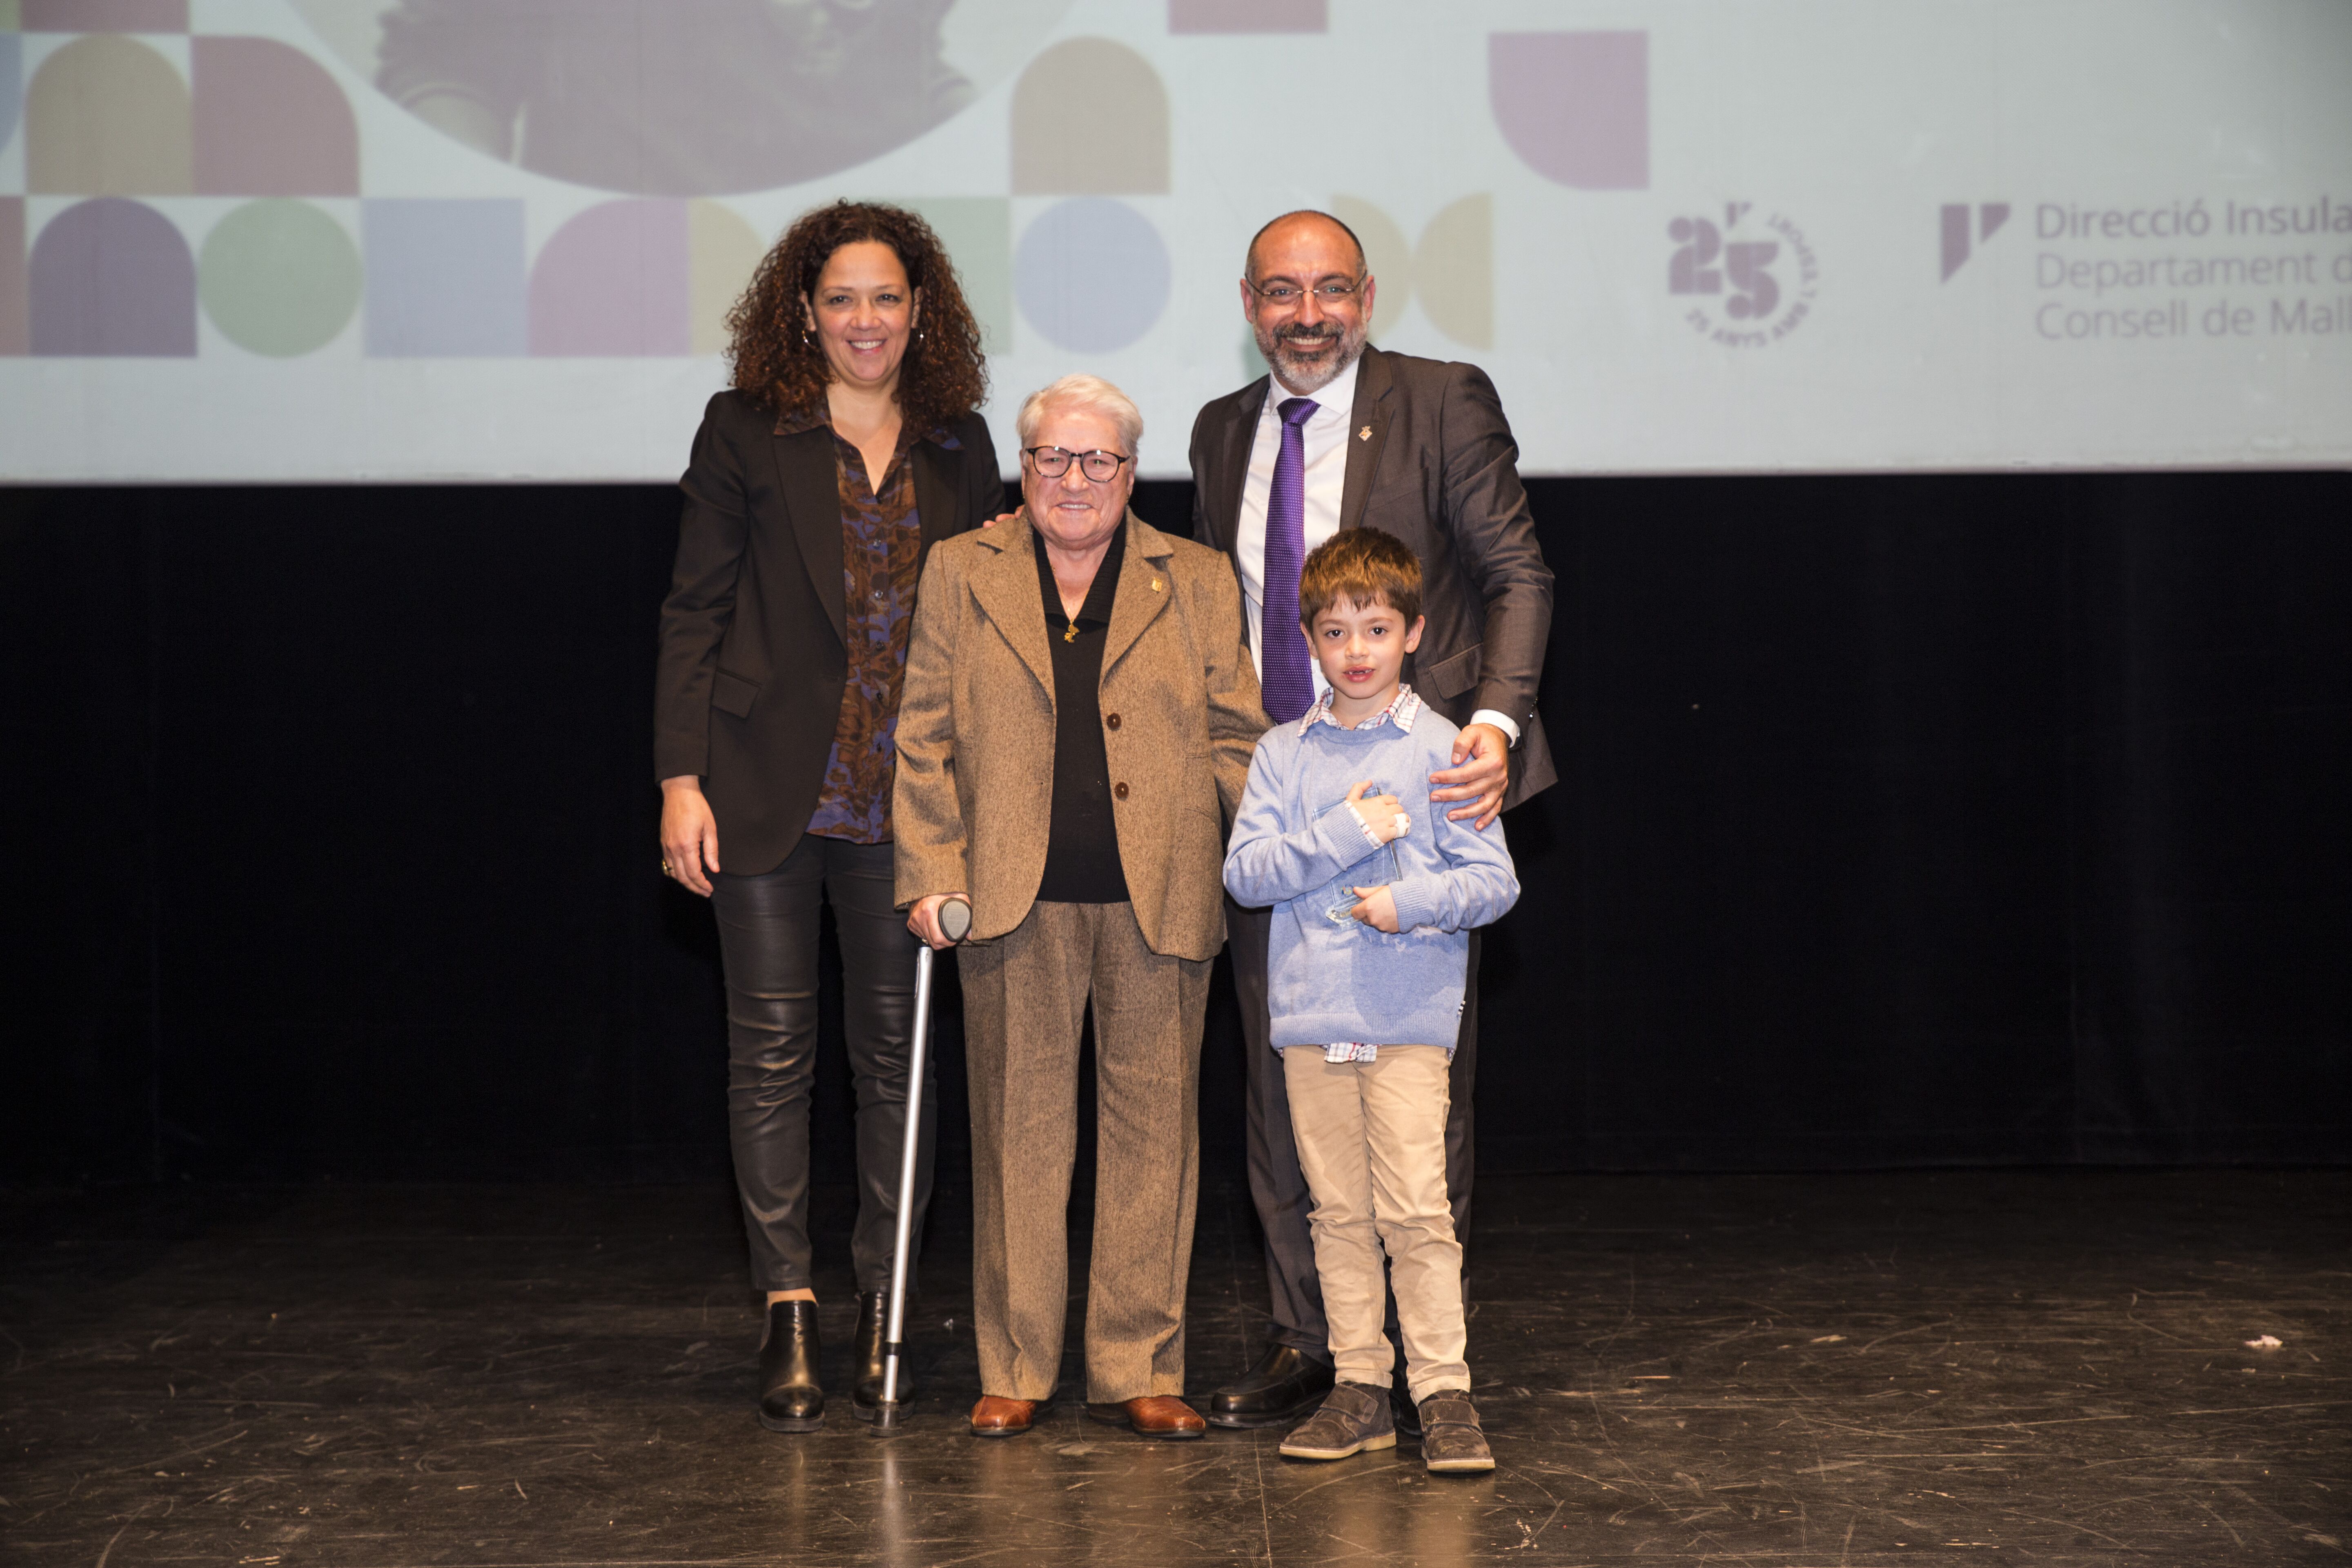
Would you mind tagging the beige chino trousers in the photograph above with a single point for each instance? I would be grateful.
(1371, 1143)
(1025, 1001)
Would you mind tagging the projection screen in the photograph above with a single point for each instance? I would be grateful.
(413, 239)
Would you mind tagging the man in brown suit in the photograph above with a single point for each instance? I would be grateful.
(1079, 708)
(1344, 436)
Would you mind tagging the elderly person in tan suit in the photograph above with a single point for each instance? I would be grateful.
(1079, 704)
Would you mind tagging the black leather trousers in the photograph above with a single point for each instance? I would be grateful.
(768, 939)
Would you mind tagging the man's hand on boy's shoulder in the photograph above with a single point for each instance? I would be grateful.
(1481, 769)
(1376, 907)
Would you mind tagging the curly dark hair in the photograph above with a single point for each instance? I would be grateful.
(779, 367)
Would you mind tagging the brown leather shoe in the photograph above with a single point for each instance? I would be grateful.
(998, 1418)
(1154, 1415)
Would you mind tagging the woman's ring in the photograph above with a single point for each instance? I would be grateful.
(665, 872)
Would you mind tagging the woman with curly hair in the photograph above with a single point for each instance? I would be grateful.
(848, 444)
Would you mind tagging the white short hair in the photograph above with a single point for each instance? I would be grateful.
(1091, 393)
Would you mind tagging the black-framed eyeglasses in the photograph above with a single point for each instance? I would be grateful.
(1052, 462)
(1331, 292)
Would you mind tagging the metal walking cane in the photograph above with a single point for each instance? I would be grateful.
(955, 924)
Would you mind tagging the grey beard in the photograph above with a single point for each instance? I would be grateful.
(1304, 378)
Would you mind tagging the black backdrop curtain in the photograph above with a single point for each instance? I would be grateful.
(1904, 820)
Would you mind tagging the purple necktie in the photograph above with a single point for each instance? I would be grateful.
(1285, 671)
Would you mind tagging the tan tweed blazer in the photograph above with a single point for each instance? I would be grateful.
(1181, 715)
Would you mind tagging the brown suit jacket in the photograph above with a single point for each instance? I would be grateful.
(747, 692)
(1181, 716)
(1440, 472)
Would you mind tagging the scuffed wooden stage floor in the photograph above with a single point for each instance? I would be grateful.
(2043, 1367)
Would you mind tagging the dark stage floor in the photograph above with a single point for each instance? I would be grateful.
(2025, 1368)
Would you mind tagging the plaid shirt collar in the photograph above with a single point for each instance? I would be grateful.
(1402, 709)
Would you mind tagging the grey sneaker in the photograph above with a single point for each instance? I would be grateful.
(1352, 1420)
(1452, 1441)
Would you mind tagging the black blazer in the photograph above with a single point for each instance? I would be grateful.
(1430, 460)
(747, 692)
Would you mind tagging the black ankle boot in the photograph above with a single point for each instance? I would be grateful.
(865, 1356)
(790, 1399)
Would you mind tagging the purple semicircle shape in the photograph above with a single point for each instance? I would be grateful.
(113, 276)
(616, 280)
(1575, 107)
(270, 122)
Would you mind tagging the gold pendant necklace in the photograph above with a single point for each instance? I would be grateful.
(1072, 635)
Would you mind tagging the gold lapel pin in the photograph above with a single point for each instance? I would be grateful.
(1155, 584)
(1365, 434)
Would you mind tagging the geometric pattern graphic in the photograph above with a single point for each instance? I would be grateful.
(614, 281)
(110, 114)
(1248, 17)
(279, 278)
(649, 275)
(108, 117)
(107, 114)
(444, 276)
(270, 122)
(1089, 118)
(13, 339)
(1092, 274)
(1451, 271)
(113, 276)
(1575, 107)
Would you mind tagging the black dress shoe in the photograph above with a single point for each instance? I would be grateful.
(790, 1399)
(865, 1357)
(1285, 1384)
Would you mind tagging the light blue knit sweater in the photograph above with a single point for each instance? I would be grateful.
(1297, 846)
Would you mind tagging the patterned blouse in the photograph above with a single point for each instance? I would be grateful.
(881, 550)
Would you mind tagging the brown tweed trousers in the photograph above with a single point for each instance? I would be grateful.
(1024, 996)
(971, 814)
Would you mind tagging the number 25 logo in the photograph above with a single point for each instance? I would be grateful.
(1692, 269)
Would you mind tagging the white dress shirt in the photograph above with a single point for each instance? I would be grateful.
(1327, 435)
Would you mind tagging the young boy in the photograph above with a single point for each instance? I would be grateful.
(1375, 891)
